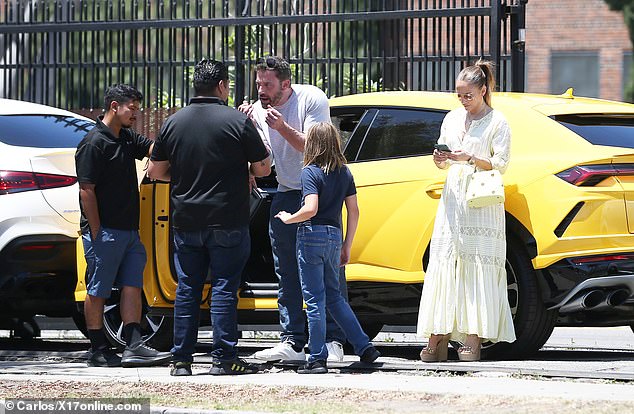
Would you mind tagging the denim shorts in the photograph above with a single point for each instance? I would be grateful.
(113, 258)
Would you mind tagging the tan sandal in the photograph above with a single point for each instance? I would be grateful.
(437, 353)
(470, 353)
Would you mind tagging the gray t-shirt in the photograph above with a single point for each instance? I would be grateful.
(306, 106)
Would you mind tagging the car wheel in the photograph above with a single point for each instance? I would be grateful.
(26, 328)
(157, 331)
(80, 322)
(371, 329)
(533, 322)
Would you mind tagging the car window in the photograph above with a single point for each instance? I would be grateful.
(614, 130)
(401, 133)
(353, 123)
(346, 120)
(43, 131)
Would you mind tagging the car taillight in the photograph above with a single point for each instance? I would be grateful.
(53, 181)
(590, 175)
(18, 181)
(31, 247)
(607, 258)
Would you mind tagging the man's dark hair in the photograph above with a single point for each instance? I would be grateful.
(207, 74)
(121, 93)
(275, 64)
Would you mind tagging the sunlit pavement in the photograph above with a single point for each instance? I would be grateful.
(592, 354)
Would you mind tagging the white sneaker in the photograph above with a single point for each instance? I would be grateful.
(335, 351)
(283, 352)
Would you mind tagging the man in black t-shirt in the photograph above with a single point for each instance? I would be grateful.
(205, 150)
(109, 201)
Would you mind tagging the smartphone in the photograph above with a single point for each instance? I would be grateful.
(442, 147)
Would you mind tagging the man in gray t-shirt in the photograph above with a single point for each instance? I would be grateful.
(282, 115)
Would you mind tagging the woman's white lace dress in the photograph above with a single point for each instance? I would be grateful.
(465, 283)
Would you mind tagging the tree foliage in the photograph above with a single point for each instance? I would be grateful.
(627, 7)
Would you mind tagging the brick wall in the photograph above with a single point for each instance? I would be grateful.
(575, 25)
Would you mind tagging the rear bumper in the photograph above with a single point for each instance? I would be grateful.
(591, 291)
(38, 276)
(624, 281)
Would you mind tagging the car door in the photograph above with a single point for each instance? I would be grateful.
(398, 188)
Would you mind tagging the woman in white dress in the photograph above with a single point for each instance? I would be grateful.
(464, 295)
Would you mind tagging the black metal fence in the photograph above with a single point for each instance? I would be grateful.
(65, 52)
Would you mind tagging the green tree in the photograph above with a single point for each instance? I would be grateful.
(627, 7)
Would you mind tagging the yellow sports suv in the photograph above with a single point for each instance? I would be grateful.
(569, 204)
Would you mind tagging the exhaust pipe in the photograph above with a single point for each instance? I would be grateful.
(614, 298)
(583, 301)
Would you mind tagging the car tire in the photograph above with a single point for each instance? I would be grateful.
(533, 322)
(80, 322)
(371, 329)
(157, 331)
(26, 328)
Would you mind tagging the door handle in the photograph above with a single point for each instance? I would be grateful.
(435, 190)
(163, 218)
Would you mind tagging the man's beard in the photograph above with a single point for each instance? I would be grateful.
(272, 101)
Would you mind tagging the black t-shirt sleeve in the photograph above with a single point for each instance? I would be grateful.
(159, 152)
(352, 189)
(141, 144)
(310, 182)
(254, 148)
(89, 162)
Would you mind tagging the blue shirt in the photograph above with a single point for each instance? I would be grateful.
(331, 188)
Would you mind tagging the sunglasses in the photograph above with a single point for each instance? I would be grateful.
(269, 61)
(465, 96)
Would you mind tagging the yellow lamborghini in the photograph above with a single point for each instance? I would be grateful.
(569, 204)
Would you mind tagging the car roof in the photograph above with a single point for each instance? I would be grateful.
(15, 107)
(566, 103)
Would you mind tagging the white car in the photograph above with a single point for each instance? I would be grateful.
(39, 213)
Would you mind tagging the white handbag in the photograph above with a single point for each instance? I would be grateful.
(485, 188)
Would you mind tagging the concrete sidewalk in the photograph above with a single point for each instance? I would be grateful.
(453, 378)
(489, 382)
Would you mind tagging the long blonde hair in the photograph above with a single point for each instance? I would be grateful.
(480, 74)
(323, 147)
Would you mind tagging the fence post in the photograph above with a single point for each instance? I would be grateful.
(518, 47)
(239, 54)
(495, 34)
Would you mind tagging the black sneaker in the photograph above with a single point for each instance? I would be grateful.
(181, 369)
(369, 355)
(235, 367)
(318, 366)
(142, 355)
(104, 358)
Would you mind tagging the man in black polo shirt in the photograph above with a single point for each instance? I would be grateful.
(109, 200)
(205, 149)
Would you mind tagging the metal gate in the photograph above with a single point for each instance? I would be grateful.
(66, 52)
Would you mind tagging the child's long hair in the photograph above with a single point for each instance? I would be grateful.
(323, 147)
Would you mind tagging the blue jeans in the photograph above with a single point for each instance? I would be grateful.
(318, 257)
(223, 252)
(289, 300)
